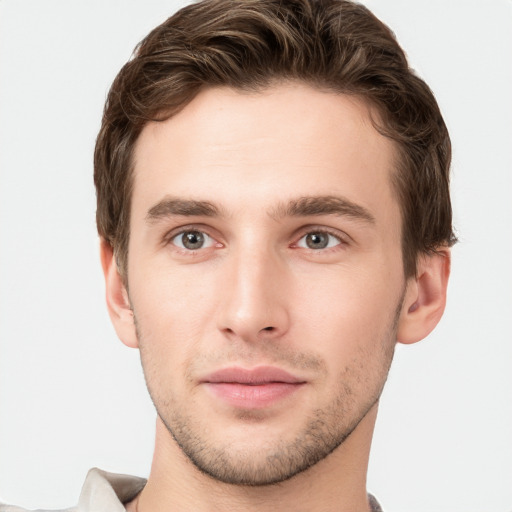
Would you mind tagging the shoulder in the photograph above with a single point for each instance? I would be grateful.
(102, 492)
(374, 504)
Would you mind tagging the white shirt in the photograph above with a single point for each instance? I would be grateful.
(101, 492)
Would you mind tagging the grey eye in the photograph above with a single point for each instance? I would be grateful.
(192, 240)
(318, 240)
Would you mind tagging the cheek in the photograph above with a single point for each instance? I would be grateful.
(357, 295)
(169, 293)
(356, 336)
(348, 310)
(173, 313)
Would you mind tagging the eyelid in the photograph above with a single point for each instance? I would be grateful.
(208, 241)
(173, 233)
(344, 238)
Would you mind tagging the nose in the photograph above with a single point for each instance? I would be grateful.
(254, 303)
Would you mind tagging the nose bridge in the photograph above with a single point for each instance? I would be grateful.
(254, 303)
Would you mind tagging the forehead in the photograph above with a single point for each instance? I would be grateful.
(241, 148)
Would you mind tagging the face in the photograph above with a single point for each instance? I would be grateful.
(265, 276)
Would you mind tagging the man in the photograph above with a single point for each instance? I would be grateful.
(274, 212)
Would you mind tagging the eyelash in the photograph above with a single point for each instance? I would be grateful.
(169, 239)
(341, 239)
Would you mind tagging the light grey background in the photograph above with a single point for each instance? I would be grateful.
(73, 397)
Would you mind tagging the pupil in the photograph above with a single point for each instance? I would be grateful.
(317, 240)
(193, 240)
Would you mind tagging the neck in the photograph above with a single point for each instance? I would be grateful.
(337, 483)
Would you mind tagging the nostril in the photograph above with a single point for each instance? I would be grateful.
(268, 329)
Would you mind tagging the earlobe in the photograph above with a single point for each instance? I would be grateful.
(118, 302)
(425, 297)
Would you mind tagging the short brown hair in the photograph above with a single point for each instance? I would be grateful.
(249, 45)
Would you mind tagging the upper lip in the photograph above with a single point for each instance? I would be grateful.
(252, 376)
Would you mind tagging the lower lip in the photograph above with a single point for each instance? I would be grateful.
(253, 396)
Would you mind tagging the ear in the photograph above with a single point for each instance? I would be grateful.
(425, 297)
(118, 303)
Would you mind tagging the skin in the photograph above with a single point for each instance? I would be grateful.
(236, 167)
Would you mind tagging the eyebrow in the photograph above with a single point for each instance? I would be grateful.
(323, 205)
(170, 206)
(302, 207)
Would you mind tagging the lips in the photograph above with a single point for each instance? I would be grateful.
(254, 388)
(253, 377)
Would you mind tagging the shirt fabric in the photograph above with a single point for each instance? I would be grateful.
(108, 492)
(101, 492)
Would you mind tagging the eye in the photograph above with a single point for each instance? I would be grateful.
(192, 240)
(317, 240)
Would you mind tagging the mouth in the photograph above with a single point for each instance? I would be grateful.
(254, 388)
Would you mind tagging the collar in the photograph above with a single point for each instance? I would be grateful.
(106, 492)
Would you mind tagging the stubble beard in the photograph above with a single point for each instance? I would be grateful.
(323, 431)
